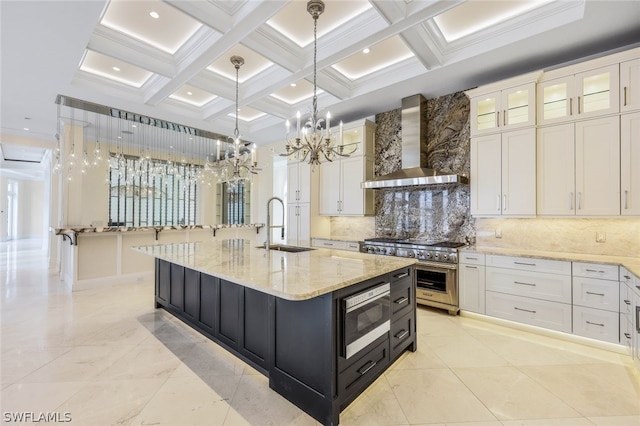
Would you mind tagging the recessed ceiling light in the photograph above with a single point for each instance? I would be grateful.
(154, 14)
(189, 93)
(293, 85)
(115, 68)
(366, 50)
(26, 128)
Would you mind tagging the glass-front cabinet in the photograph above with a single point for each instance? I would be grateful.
(587, 94)
(503, 110)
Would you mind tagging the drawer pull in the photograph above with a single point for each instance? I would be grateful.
(521, 283)
(401, 300)
(595, 323)
(368, 366)
(471, 258)
(470, 267)
(524, 263)
(401, 275)
(524, 310)
(595, 294)
(638, 287)
(401, 335)
(328, 244)
(594, 270)
(627, 335)
(628, 277)
(628, 302)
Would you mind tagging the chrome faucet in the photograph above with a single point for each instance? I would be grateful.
(267, 244)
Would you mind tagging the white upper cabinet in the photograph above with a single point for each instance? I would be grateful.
(503, 174)
(579, 168)
(340, 179)
(630, 164)
(506, 105)
(299, 182)
(582, 95)
(630, 85)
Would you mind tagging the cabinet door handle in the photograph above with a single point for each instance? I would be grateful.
(595, 323)
(504, 202)
(401, 335)
(580, 200)
(595, 294)
(524, 310)
(624, 96)
(521, 283)
(504, 117)
(368, 366)
(571, 201)
(524, 263)
(578, 104)
(626, 199)
(498, 119)
(627, 335)
(498, 202)
(570, 106)
(401, 300)
(470, 267)
(595, 270)
(401, 275)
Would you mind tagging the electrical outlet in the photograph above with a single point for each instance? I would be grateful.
(601, 237)
(498, 233)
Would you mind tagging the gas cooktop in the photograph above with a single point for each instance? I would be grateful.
(427, 250)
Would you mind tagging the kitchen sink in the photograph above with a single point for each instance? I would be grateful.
(290, 249)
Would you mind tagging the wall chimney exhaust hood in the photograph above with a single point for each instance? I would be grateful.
(414, 132)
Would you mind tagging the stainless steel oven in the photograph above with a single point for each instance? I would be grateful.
(437, 285)
(365, 317)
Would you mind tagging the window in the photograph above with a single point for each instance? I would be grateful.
(148, 192)
(234, 207)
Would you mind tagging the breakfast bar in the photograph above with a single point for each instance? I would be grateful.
(321, 324)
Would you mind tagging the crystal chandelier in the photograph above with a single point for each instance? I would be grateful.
(236, 162)
(311, 141)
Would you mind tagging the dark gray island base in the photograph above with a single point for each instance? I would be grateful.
(298, 344)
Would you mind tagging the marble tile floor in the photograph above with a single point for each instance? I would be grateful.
(105, 356)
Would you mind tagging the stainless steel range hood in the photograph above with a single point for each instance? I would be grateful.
(414, 131)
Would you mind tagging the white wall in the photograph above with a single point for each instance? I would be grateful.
(32, 210)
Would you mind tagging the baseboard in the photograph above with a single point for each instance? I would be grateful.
(88, 283)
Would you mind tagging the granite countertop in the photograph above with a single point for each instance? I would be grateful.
(631, 263)
(292, 276)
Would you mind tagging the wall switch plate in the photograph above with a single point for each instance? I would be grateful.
(498, 233)
(601, 237)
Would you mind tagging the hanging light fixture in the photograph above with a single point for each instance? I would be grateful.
(311, 141)
(238, 162)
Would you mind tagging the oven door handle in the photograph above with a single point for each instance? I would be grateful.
(386, 293)
(430, 266)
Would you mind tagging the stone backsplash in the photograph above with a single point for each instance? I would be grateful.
(438, 212)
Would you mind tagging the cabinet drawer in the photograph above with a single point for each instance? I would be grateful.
(404, 274)
(330, 244)
(626, 330)
(529, 264)
(541, 313)
(471, 258)
(402, 298)
(595, 293)
(626, 299)
(596, 324)
(595, 270)
(552, 287)
(626, 276)
(364, 369)
(352, 246)
(402, 333)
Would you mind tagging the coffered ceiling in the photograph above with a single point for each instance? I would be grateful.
(171, 59)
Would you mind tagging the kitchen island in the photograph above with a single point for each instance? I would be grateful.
(284, 313)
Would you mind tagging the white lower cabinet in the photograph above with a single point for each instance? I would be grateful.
(596, 324)
(529, 290)
(541, 313)
(471, 282)
(596, 301)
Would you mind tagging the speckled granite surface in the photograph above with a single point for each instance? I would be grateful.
(293, 276)
(439, 212)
